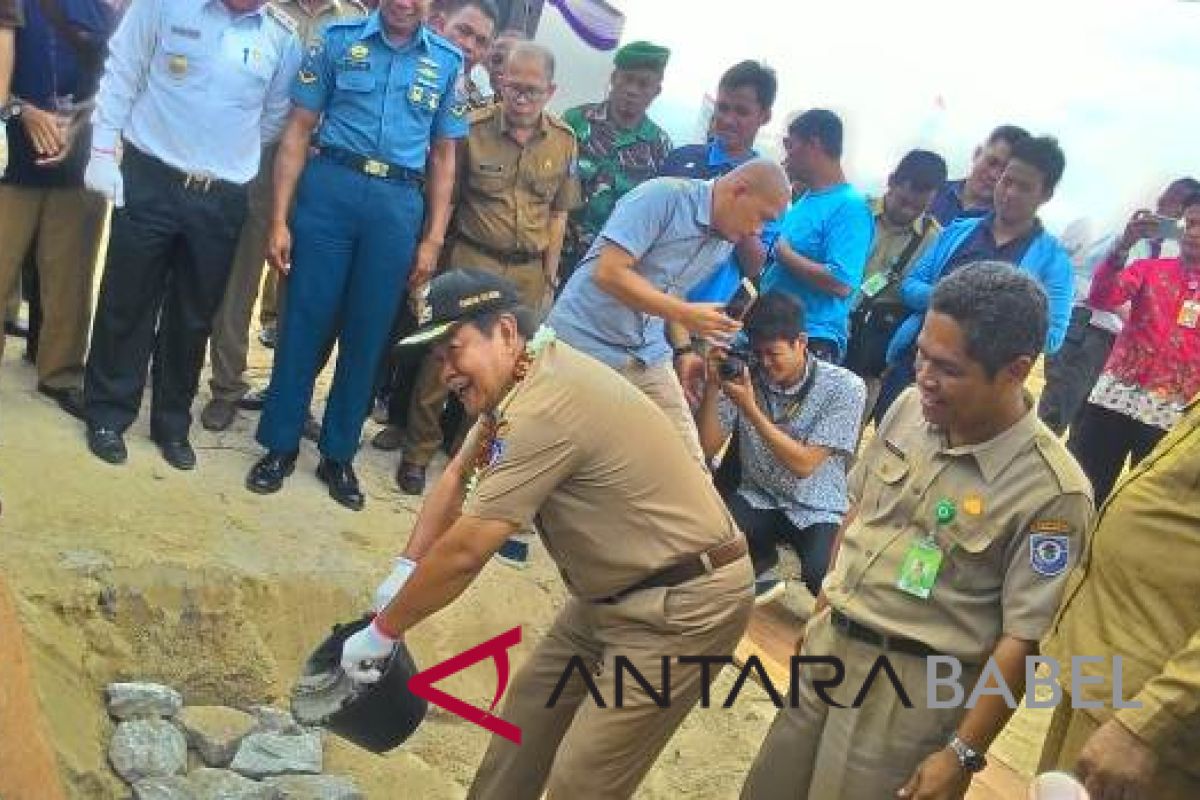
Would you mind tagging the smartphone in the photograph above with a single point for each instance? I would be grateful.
(1168, 228)
(741, 302)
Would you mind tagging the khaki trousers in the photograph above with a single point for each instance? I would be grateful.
(423, 430)
(1071, 728)
(578, 750)
(65, 227)
(229, 344)
(660, 383)
(818, 752)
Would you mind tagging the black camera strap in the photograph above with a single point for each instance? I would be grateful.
(792, 409)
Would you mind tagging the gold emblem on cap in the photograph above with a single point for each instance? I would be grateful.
(178, 65)
(359, 51)
(307, 76)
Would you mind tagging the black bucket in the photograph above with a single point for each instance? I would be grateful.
(377, 717)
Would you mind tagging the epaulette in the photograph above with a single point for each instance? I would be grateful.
(280, 17)
(482, 114)
(1070, 476)
(444, 43)
(558, 122)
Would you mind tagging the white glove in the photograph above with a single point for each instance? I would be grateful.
(103, 175)
(401, 571)
(1056, 786)
(362, 652)
(3, 150)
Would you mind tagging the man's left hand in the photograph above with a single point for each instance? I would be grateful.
(424, 264)
(690, 368)
(1116, 765)
(363, 649)
(938, 777)
(740, 391)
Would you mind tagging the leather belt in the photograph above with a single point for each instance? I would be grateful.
(691, 567)
(861, 633)
(373, 167)
(509, 258)
(192, 181)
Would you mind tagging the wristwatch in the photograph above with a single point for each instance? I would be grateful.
(968, 759)
(10, 110)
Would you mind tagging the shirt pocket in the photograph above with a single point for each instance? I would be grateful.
(488, 182)
(884, 486)
(355, 81)
(247, 67)
(183, 59)
(423, 99)
(970, 559)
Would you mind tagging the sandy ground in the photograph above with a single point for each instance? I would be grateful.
(143, 572)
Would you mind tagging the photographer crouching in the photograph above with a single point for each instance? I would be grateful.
(794, 421)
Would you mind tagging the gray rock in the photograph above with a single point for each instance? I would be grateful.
(142, 700)
(275, 720)
(221, 784)
(175, 787)
(315, 787)
(147, 748)
(215, 731)
(264, 754)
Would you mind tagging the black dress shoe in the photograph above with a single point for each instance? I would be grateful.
(69, 399)
(179, 454)
(107, 445)
(253, 400)
(342, 482)
(266, 476)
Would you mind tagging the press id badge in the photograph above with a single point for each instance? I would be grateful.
(1189, 313)
(920, 568)
(874, 284)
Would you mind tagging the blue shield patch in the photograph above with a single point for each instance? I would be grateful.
(1048, 553)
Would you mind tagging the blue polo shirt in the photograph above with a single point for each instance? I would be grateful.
(709, 161)
(947, 204)
(664, 224)
(832, 226)
(380, 100)
(48, 67)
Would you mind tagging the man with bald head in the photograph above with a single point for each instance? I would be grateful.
(664, 237)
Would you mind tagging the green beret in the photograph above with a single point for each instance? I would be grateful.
(642, 55)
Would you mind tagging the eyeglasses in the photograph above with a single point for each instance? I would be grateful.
(530, 93)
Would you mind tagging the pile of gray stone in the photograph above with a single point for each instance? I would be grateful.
(167, 751)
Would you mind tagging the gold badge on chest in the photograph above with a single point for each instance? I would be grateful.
(177, 65)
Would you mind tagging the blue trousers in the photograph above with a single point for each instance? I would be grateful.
(353, 238)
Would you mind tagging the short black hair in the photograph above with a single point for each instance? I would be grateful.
(923, 170)
(1003, 312)
(1009, 134)
(486, 7)
(757, 76)
(1192, 199)
(822, 125)
(1043, 154)
(1189, 184)
(774, 316)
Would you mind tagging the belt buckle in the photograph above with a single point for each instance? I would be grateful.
(376, 169)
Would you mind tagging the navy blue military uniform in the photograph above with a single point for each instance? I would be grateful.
(358, 215)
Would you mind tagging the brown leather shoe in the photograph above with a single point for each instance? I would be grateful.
(218, 415)
(389, 439)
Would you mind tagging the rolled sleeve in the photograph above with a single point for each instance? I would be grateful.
(1170, 700)
(1030, 596)
(534, 457)
(314, 81)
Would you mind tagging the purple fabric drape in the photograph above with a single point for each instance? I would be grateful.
(595, 21)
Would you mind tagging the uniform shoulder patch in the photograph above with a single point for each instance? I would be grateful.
(1049, 554)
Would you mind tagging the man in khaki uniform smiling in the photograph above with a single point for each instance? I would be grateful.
(654, 563)
(516, 184)
(966, 514)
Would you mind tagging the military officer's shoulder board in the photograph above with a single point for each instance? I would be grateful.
(559, 124)
(282, 19)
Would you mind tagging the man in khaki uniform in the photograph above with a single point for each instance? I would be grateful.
(966, 513)
(654, 563)
(516, 184)
(1134, 596)
(229, 344)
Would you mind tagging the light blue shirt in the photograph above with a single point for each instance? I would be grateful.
(382, 100)
(196, 87)
(832, 226)
(665, 224)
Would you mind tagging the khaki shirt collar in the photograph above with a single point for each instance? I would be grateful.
(994, 455)
(543, 123)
